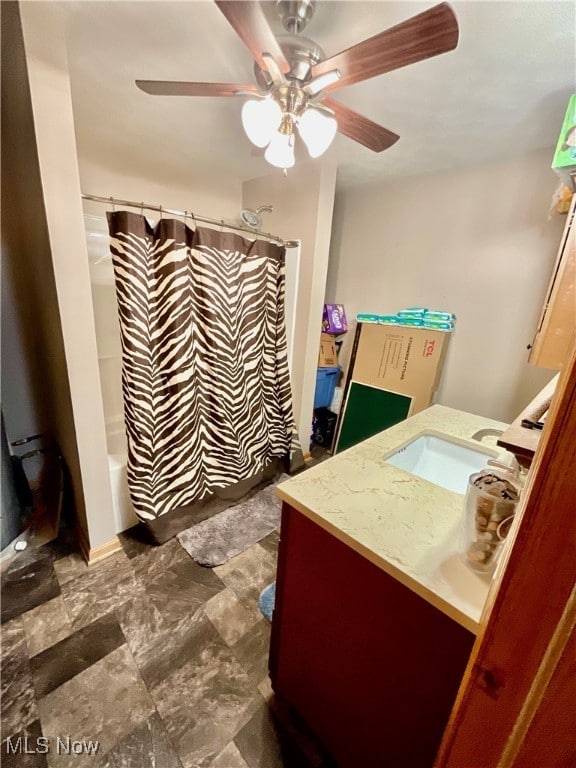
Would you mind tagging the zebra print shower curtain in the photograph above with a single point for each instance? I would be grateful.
(207, 399)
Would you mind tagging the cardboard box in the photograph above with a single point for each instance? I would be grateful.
(394, 373)
(334, 319)
(407, 361)
(328, 357)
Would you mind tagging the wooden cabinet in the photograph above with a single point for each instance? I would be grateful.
(558, 317)
(370, 666)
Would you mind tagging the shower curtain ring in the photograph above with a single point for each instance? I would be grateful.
(160, 207)
(222, 225)
(142, 209)
(112, 204)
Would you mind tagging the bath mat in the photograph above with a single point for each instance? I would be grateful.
(266, 601)
(214, 541)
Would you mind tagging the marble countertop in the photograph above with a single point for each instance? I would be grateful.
(405, 525)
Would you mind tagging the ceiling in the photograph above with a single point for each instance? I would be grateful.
(500, 94)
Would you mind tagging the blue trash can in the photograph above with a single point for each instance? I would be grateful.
(326, 380)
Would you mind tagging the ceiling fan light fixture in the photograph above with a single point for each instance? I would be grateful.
(261, 118)
(280, 151)
(317, 131)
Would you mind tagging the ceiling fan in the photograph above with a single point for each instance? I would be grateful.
(293, 76)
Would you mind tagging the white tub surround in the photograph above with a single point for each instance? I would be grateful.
(407, 526)
(110, 366)
(124, 514)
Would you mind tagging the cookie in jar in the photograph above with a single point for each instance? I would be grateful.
(490, 505)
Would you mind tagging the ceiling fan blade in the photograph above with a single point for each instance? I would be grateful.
(431, 33)
(249, 22)
(360, 128)
(174, 88)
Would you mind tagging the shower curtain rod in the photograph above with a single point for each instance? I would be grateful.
(190, 215)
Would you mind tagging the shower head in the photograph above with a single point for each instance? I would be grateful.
(252, 218)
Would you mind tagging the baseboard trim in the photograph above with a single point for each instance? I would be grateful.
(82, 541)
(96, 554)
(104, 550)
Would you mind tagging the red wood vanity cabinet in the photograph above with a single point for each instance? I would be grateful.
(370, 666)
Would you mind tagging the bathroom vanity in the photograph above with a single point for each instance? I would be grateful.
(375, 613)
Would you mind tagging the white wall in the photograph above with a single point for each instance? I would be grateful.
(476, 243)
(217, 198)
(35, 390)
(45, 47)
(303, 205)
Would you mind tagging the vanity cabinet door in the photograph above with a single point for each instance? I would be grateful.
(558, 318)
(370, 667)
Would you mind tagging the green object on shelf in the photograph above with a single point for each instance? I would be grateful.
(369, 410)
(565, 155)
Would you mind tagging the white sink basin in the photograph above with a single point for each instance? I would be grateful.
(441, 460)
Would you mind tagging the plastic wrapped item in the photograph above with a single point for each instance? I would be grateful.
(381, 319)
(416, 317)
(412, 313)
(561, 198)
(415, 322)
(336, 403)
(446, 317)
(439, 325)
(489, 508)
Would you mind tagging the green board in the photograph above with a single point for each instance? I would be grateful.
(369, 410)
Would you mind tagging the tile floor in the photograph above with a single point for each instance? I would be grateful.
(160, 660)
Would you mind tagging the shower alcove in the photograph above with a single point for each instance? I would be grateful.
(110, 354)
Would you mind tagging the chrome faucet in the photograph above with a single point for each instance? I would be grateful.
(482, 433)
(513, 467)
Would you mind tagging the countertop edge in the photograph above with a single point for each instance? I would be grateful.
(385, 565)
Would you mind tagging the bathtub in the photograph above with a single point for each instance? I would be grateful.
(124, 515)
(109, 362)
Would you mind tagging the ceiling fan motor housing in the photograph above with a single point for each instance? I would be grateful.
(295, 14)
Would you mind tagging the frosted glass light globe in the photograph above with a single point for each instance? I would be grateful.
(317, 131)
(260, 118)
(280, 151)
